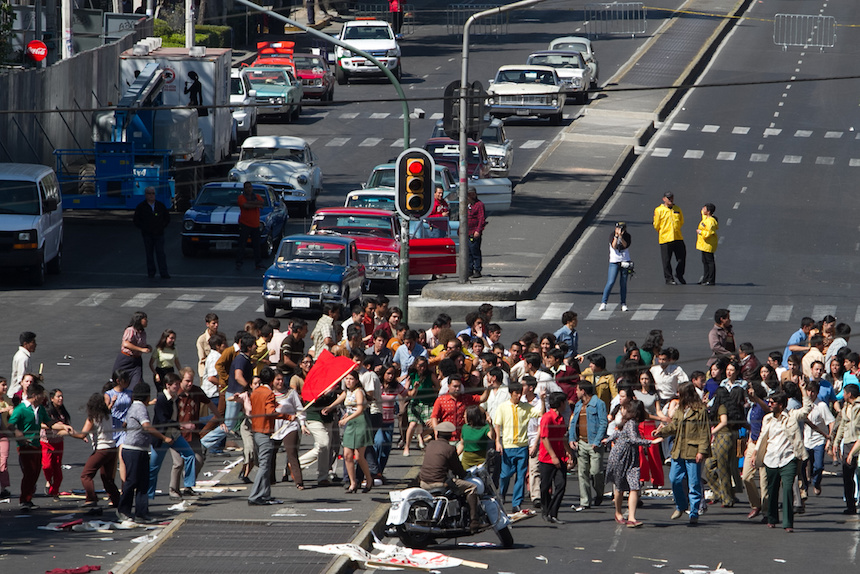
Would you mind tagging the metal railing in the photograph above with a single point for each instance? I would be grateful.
(807, 31)
(381, 12)
(457, 14)
(617, 19)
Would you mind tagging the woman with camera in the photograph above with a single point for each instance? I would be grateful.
(620, 264)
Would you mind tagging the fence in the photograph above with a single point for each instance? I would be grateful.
(89, 79)
(381, 12)
(620, 19)
(806, 31)
(493, 25)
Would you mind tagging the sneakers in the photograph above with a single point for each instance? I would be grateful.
(602, 307)
(5, 493)
(122, 517)
(579, 508)
(623, 307)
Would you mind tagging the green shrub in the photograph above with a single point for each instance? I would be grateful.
(161, 28)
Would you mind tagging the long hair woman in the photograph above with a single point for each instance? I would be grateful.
(105, 453)
(356, 434)
(132, 347)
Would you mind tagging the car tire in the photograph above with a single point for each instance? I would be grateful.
(297, 112)
(556, 119)
(270, 246)
(55, 265)
(398, 72)
(37, 272)
(341, 76)
(269, 309)
(188, 248)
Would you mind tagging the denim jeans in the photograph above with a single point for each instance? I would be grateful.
(232, 414)
(515, 460)
(692, 471)
(614, 271)
(816, 467)
(157, 455)
(382, 444)
(476, 263)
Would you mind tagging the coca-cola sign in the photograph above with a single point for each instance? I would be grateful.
(37, 50)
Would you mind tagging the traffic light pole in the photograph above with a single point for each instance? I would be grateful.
(463, 255)
(403, 276)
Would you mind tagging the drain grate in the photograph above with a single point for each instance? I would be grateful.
(234, 546)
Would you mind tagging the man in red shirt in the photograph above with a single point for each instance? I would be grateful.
(249, 224)
(451, 408)
(553, 457)
(477, 221)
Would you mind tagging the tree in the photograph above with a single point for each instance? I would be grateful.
(7, 16)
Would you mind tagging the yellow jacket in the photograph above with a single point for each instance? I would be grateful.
(707, 238)
(668, 223)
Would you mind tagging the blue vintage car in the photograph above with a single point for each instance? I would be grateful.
(212, 222)
(311, 270)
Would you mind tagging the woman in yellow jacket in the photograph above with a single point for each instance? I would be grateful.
(706, 242)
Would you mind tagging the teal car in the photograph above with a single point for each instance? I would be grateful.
(279, 93)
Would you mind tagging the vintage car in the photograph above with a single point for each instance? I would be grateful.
(583, 46)
(383, 175)
(279, 93)
(212, 221)
(285, 163)
(520, 90)
(242, 97)
(311, 270)
(316, 76)
(446, 152)
(374, 37)
(570, 67)
(500, 149)
(377, 234)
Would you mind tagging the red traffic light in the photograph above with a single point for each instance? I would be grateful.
(415, 166)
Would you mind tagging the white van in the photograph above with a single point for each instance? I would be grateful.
(31, 219)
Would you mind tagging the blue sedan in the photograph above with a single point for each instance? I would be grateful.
(212, 222)
(311, 270)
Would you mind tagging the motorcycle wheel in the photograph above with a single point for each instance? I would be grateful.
(416, 539)
(505, 537)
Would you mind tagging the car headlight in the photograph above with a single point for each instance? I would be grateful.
(25, 236)
(555, 101)
(274, 285)
(334, 289)
(302, 179)
(576, 82)
(233, 176)
(188, 225)
(393, 260)
(392, 53)
(491, 101)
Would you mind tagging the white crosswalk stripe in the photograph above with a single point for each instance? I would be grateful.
(95, 299)
(694, 154)
(530, 308)
(555, 310)
(399, 142)
(740, 130)
(739, 312)
(832, 135)
(803, 133)
(710, 129)
(532, 144)
(370, 142)
(230, 303)
(726, 155)
(349, 116)
(379, 115)
(759, 157)
(437, 116)
(779, 313)
(820, 160)
(691, 313)
(337, 142)
(819, 311)
(185, 302)
(857, 315)
(792, 159)
(597, 315)
(661, 151)
(680, 127)
(52, 298)
(647, 312)
(141, 300)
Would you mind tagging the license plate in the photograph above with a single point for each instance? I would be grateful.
(301, 302)
(522, 112)
(223, 245)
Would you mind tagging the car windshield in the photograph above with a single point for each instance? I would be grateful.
(376, 226)
(309, 63)
(368, 33)
(237, 87)
(19, 197)
(268, 79)
(492, 135)
(572, 46)
(371, 202)
(280, 153)
(332, 253)
(556, 60)
(381, 178)
(525, 77)
(224, 196)
(448, 151)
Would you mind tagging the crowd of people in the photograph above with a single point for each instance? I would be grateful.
(531, 411)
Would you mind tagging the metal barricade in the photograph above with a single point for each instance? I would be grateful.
(494, 25)
(815, 31)
(381, 12)
(618, 19)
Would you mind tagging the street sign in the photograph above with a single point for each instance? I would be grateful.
(476, 98)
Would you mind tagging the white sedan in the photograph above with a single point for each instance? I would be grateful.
(583, 46)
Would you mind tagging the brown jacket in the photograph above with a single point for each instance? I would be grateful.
(692, 433)
(263, 414)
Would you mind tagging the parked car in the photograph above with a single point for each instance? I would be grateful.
(285, 163)
(446, 152)
(377, 234)
(316, 76)
(500, 149)
(311, 270)
(212, 221)
(279, 93)
(374, 37)
(583, 46)
(521, 90)
(570, 67)
(242, 99)
(383, 175)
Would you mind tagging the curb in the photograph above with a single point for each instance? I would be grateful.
(136, 557)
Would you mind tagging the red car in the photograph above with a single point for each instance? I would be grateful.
(316, 76)
(446, 152)
(377, 234)
(277, 55)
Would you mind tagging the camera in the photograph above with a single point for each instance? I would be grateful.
(627, 265)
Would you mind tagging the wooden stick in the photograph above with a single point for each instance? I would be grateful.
(599, 347)
(471, 564)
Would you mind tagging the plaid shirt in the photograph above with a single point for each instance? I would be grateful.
(449, 408)
(188, 407)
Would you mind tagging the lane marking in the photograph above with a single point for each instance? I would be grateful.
(52, 298)
(803, 133)
(370, 142)
(555, 310)
(399, 142)
(819, 311)
(597, 315)
(740, 130)
(94, 300)
(736, 205)
(739, 312)
(379, 115)
(185, 302)
(759, 157)
(771, 132)
(694, 154)
(141, 300)
(647, 312)
(854, 162)
(726, 156)
(349, 116)
(532, 144)
(779, 313)
(229, 303)
(691, 313)
(824, 160)
(792, 159)
(710, 129)
(661, 152)
(437, 116)
(680, 127)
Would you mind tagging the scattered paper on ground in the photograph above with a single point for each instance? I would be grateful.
(392, 557)
(332, 509)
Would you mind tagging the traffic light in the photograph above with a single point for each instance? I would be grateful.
(414, 181)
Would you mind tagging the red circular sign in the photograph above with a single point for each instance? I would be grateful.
(37, 50)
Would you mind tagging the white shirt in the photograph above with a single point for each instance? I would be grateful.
(372, 386)
(496, 398)
(668, 381)
(20, 367)
(275, 346)
(821, 417)
(209, 370)
(779, 450)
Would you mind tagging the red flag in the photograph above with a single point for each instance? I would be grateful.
(327, 371)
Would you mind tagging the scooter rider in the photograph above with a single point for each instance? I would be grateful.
(439, 458)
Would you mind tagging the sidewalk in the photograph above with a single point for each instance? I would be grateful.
(581, 169)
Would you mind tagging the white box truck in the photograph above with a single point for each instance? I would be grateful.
(198, 77)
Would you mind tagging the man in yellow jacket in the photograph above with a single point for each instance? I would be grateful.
(706, 242)
(668, 221)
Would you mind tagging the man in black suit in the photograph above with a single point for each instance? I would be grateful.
(152, 217)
